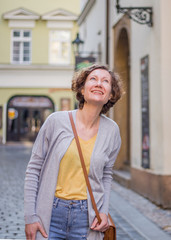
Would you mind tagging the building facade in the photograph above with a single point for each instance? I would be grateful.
(36, 64)
(141, 54)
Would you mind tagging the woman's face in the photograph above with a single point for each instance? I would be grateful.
(97, 88)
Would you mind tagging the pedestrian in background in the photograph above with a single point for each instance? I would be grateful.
(57, 203)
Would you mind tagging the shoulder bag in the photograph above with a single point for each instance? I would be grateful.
(110, 233)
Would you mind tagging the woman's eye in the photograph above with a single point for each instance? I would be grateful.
(92, 78)
(105, 80)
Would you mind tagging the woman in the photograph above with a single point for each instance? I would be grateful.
(57, 203)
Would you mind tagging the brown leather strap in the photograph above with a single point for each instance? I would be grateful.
(84, 167)
(111, 220)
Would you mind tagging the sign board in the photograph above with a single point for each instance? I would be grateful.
(12, 113)
(82, 62)
(145, 112)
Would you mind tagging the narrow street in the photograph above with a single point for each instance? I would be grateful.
(13, 162)
(135, 217)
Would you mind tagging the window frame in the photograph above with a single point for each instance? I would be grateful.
(50, 42)
(21, 39)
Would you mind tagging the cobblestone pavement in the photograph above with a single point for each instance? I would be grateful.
(161, 217)
(13, 162)
(126, 229)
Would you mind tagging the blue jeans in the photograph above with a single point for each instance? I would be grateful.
(69, 220)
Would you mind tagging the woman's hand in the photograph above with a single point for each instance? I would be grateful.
(31, 230)
(103, 226)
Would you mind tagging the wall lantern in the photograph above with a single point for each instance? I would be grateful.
(141, 15)
(76, 44)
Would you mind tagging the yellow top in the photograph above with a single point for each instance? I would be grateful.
(71, 183)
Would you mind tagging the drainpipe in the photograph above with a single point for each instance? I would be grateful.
(107, 32)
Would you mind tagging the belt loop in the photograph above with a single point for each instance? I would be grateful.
(56, 202)
(82, 205)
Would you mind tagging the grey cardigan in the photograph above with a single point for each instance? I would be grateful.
(52, 142)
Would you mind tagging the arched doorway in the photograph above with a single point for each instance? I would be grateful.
(25, 116)
(122, 108)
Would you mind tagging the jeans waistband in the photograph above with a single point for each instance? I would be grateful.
(69, 202)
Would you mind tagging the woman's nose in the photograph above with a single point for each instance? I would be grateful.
(99, 82)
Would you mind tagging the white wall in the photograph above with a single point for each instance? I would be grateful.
(36, 78)
(154, 42)
(165, 77)
(94, 23)
(146, 41)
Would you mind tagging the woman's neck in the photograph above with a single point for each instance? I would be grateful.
(88, 116)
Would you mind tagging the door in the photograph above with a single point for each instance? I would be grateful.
(122, 108)
(30, 123)
(26, 115)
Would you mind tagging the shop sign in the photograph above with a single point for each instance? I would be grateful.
(82, 62)
(12, 113)
(30, 101)
(145, 112)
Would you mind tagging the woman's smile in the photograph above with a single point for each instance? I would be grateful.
(97, 92)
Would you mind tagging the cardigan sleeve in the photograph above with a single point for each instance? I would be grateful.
(108, 170)
(33, 170)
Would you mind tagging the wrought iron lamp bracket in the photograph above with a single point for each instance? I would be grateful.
(141, 15)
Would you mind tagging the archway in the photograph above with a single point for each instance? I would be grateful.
(122, 108)
(25, 116)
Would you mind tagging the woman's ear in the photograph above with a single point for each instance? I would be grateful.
(110, 96)
(82, 91)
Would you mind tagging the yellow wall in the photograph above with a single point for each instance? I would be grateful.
(5, 39)
(40, 33)
(40, 43)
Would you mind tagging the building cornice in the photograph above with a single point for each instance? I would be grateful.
(36, 67)
(21, 14)
(85, 11)
(59, 14)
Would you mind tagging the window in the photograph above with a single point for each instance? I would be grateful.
(21, 46)
(60, 47)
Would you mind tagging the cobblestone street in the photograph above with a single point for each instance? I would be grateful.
(135, 217)
(13, 162)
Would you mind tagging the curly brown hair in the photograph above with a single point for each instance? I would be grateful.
(79, 80)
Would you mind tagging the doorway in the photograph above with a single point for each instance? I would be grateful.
(122, 108)
(26, 115)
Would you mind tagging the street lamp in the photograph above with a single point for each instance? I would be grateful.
(83, 58)
(142, 15)
(76, 44)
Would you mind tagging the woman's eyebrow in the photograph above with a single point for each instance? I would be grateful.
(94, 75)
